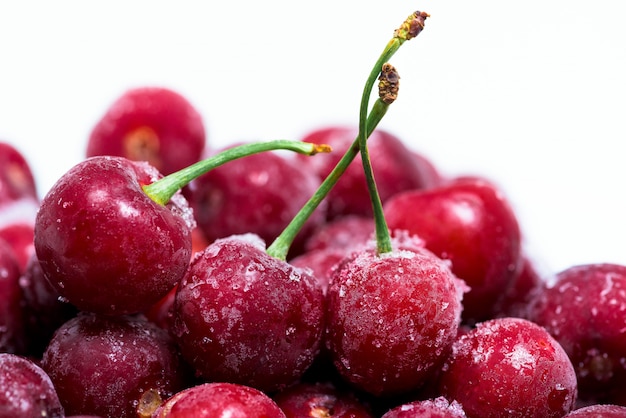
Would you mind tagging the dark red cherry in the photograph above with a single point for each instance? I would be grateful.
(258, 194)
(341, 233)
(113, 366)
(219, 399)
(470, 223)
(438, 407)
(104, 244)
(12, 330)
(509, 367)
(245, 317)
(26, 390)
(314, 400)
(392, 318)
(43, 307)
(584, 308)
(16, 178)
(153, 124)
(598, 411)
(397, 169)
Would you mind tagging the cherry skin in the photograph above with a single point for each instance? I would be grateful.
(439, 407)
(313, 400)
(470, 223)
(153, 124)
(121, 366)
(392, 318)
(16, 178)
(257, 194)
(219, 399)
(44, 309)
(509, 367)
(12, 331)
(245, 317)
(583, 308)
(396, 167)
(27, 390)
(104, 244)
(598, 411)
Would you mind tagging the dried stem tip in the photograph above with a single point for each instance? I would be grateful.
(412, 26)
(388, 83)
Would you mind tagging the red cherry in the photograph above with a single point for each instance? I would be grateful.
(27, 390)
(245, 317)
(438, 407)
(470, 223)
(313, 400)
(113, 366)
(397, 169)
(258, 194)
(392, 318)
(16, 178)
(583, 308)
(12, 330)
(153, 124)
(509, 367)
(219, 399)
(104, 244)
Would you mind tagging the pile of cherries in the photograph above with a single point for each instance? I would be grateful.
(132, 290)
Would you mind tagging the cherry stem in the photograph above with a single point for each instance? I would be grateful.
(281, 245)
(162, 190)
(410, 28)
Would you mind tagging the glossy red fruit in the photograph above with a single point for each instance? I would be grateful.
(113, 366)
(396, 166)
(12, 331)
(245, 317)
(16, 178)
(27, 390)
(219, 400)
(153, 124)
(470, 223)
(438, 407)
(257, 194)
(314, 400)
(584, 308)
(342, 233)
(598, 411)
(509, 367)
(104, 244)
(392, 319)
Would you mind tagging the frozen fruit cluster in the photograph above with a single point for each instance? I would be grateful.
(128, 292)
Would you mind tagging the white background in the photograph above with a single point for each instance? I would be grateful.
(531, 94)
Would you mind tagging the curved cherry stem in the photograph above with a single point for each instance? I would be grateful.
(281, 245)
(409, 29)
(162, 190)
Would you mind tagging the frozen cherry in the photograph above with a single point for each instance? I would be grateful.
(470, 223)
(509, 367)
(12, 331)
(438, 407)
(113, 366)
(257, 194)
(26, 390)
(341, 233)
(598, 411)
(245, 317)
(219, 399)
(153, 124)
(314, 400)
(392, 317)
(104, 244)
(396, 169)
(584, 308)
(16, 178)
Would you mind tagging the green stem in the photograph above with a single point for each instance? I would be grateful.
(280, 246)
(162, 190)
(409, 29)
